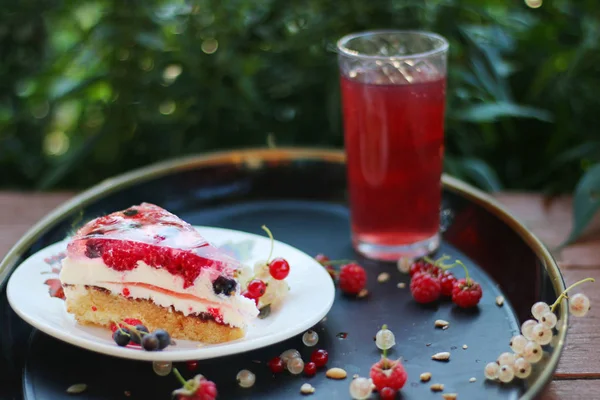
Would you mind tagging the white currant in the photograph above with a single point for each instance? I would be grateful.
(361, 388)
(245, 378)
(310, 338)
(385, 339)
(532, 352)
(162, 368)
(522, 368)
(527, 328)
(287, 355)
(295, 366)
(538, 309)
(517, 343)
(579, 305)
(541, 334)
(506, 373)
(491, 371)
(506, 359)
(549, 320)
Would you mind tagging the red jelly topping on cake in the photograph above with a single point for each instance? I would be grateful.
(150, 234)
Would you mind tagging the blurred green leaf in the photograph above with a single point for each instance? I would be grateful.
(491, 112)
(586, 202)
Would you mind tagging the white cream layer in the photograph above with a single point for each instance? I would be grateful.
(236, 310)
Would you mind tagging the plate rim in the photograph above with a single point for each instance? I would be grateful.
(256, 156)
(200, 353)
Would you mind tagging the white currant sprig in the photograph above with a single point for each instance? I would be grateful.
(535, 333)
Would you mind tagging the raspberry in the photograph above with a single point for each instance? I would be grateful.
(423, 266)
(447, 280)
(387, 394)
(353, 278)
(466, 294)
(206, 391)
(388, 374)
(425, 288)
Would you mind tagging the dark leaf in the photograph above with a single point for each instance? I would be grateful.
(491, 112)
(586, 202)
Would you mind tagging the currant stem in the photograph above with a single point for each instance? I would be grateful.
(563, 295)
(467, 278)
(183, 382)
(264, 227)
(338, 262)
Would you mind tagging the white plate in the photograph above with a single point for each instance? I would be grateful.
(310, 298)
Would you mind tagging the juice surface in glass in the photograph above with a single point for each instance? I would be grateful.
(394, 138)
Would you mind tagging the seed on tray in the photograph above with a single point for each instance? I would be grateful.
(440, 323)
(383, 277)
(500, 301)
(363, 293)
(473, 379)
(450, 396)
(307, 388)
(437, 387)
(425, 376)
(401, 285)
(336, 373)
(443, 356)
(465, 347)
(77, 388)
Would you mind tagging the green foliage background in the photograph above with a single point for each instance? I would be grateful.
(123, 83)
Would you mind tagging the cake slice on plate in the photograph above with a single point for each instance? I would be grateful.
(146, 263)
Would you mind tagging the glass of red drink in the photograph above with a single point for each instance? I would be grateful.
(393, 95)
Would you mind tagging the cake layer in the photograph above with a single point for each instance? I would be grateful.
(160, 287)
(97, 306)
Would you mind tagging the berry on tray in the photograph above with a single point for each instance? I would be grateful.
(198, 388)
(425, 288)
(466, 293)
(388, 374)
(352, 279)
(276, 365)
(319, 357)
(527, 347)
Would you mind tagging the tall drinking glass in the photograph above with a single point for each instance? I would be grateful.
(393, 95)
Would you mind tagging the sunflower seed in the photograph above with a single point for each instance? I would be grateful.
(440, 323)
(425, 376)
(307, 388)
(383, 277)
(450, 396)
(335, 373)
(500, 301)
(443, 356)
(437, 387)
(77, 388)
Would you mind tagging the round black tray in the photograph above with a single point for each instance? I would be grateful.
(300, 195)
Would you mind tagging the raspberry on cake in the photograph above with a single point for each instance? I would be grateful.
(148, 264)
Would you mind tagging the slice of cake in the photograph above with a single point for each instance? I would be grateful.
(145, 263)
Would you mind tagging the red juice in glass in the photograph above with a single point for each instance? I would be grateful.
(394, 139)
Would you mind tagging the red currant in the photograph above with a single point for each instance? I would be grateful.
(256, 288)
(319, 357)
(249, 296)
(387, 393)
(276, 366)
(353, 278)
(279, 268)
(191, 365)
(310, 369)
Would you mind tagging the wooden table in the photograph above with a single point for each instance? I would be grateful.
(578, 374)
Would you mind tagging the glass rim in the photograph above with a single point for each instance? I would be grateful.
(343, 50)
